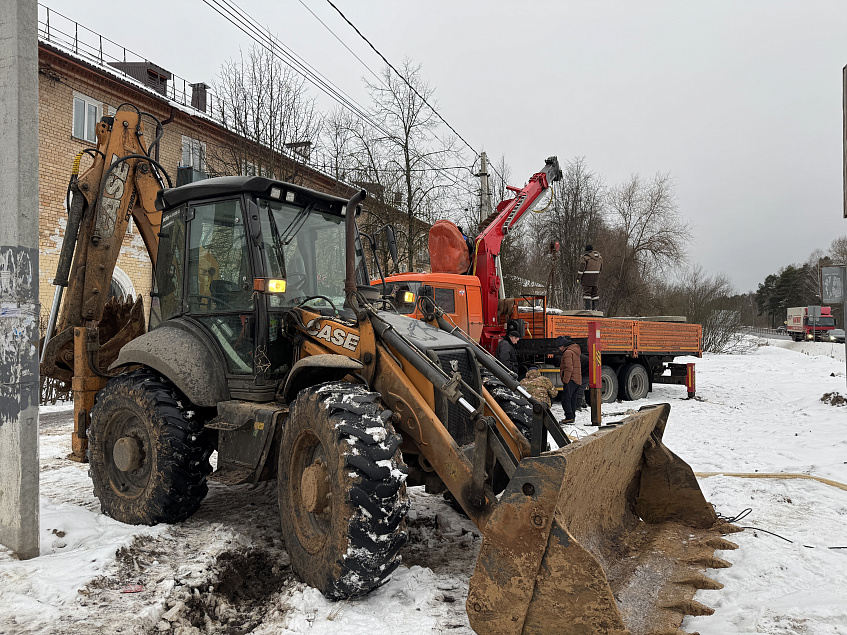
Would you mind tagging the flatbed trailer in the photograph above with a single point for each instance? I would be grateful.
(636, 353)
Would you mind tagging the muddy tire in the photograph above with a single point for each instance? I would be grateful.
(609, 385)
(516, 407)
(148, 451)
(342, 493)
(634, 382)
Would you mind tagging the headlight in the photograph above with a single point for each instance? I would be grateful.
(408, 297)
(269, 285)
(832, 338)
(810, 336)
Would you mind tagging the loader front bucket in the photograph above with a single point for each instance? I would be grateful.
(608, 535)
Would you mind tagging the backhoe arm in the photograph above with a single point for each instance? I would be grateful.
(121, 183)
(87, 328)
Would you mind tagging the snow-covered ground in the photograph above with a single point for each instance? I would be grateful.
(225, 569)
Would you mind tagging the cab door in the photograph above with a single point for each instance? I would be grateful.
(219, 285)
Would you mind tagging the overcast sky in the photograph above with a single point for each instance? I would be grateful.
(739, 101)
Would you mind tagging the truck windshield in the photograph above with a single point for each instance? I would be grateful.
(820, 321)
(306, 248)
(444, 298)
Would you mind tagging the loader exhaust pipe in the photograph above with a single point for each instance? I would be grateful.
(350, 248)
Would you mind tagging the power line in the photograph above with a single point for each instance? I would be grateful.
(239, 18)
(344, 44)
(379, 79)
(391, 66)
(246, 24)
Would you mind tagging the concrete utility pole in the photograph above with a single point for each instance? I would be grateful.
(19, 307)
(484, 191)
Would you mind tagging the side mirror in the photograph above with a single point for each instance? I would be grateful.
(392, 243)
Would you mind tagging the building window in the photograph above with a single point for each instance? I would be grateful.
(193, 154)
(86, 114)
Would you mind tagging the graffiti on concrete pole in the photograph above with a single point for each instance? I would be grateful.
(18, 332)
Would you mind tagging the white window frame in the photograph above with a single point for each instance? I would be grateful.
(85, 130)
(193, 154)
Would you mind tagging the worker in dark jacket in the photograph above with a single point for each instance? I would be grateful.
(589, 275)
(571, 374)
(582, 393)
(507, 353)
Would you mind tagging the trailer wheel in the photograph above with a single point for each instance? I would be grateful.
(634, 382)
(342, 493)
(148, 452)
(609, 386)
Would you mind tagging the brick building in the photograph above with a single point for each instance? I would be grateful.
(78, 85)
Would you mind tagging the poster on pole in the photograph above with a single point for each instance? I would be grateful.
(832, 285)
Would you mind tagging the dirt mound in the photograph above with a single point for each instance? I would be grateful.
(834, 399)
(236, 599)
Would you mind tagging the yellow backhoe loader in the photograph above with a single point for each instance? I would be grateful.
(268, 345)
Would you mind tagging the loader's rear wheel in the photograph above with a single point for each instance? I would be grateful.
(634, 382)
(342, 497)
(149, 455)
(609, 387)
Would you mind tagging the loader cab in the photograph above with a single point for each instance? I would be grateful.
(234, 254)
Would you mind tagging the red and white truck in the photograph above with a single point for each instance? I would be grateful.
(810, 323)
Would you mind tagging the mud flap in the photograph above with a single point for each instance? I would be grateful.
(608, 535)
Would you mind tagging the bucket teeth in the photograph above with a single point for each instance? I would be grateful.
(710, 562)
(720, 544)
(728, 528)
(700, 581)
(690, 607)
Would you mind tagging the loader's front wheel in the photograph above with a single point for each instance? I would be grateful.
(342, 497)
(149, 455)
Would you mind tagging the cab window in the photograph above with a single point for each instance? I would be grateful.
(169, 268)
(220, 291)
(219, 277)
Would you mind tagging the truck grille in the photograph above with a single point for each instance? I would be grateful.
(458, 420)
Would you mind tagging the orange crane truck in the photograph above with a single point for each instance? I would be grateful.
(636, 353)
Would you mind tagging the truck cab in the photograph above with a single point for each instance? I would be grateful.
(458, 296)
(804, 323)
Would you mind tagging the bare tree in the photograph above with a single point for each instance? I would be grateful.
(645, 213)
(412, 155)
(838, 251)
(266, 105)
(574, 218)
(708, 301)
